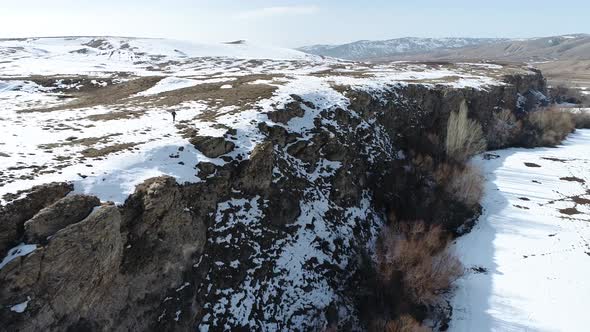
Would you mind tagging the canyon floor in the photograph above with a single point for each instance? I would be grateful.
(528, 257)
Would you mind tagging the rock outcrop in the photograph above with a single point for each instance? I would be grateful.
(119, 268)
(60, 214)
(212, 147)
(13, 216)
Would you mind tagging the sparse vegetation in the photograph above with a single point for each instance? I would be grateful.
(464, 136)
(421, 254)
(504, 129)
(581, 119)
(464, 183)
(405, 323)
(551, 125)
(95, 153)
(563, 94)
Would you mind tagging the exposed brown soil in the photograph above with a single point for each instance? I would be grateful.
(555, 159)
(572, 179)
(241, 95)
(89, 141)
(521, 207)
(109, 95)
(581, 201)
(531, 165)
(94, 153)
(119, 115)
(569, 211)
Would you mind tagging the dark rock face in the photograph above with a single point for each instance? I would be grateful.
(113, 270)
(13, 216)
(67, 278)
(291, 110)
(212, 147)
(270, 242)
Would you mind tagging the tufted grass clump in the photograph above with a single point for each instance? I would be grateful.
(465, 136)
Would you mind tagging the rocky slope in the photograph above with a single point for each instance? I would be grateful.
(253, 211)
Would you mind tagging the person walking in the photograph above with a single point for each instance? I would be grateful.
(173, 116)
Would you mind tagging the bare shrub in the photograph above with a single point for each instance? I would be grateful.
(464, 183)
(404, 323)
(563, 94)
(432, 276)
(552, 124)
(464, 136)
(421, 253)
(581, 119)
(504, 129)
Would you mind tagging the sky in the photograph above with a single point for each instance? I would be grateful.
(293, 23)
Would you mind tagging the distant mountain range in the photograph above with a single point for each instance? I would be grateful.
(569, 47)
(367, 49)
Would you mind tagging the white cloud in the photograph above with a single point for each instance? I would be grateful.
(278, 11)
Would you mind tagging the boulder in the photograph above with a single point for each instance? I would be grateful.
(212, 147)
(66, 211)
(290, 111)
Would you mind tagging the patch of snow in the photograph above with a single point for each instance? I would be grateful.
(21, 307)
(185, 285)
(177, 317)
(18, 251)
(168, 84)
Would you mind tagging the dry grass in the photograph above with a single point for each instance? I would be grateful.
(464, 183)
(421, 253)
(405, 323)
(553, 124)
(72, 141)
(464, 136)
(95, 153)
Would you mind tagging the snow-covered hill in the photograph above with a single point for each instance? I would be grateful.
(91, 55)
(367, 49)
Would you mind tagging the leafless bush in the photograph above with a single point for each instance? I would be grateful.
(504, 129)
(464, 183)
(405, 323)
(563, 94)
(464, 136)
(581, 119)
(422, 255)
(553, 124)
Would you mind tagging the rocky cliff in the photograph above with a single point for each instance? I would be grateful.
(271, 238)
